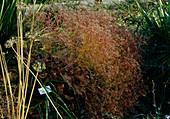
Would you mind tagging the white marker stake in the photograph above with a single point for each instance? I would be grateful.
(41, 91)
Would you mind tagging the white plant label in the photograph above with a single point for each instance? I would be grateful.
(41, 91)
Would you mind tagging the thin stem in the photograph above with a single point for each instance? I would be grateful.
(28, 65)
(19, 66)
(9, 84)
(153, 91)
(31, 95)
(4, 80)
(29, 56)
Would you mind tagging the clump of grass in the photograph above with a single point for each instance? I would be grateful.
(97, 58)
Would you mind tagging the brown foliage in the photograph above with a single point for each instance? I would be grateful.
(97, 58)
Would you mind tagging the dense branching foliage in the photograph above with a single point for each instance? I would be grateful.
(97, 58)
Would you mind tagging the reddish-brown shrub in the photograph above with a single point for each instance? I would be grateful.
(98, 59)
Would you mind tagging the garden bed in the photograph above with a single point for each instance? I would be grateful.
(91, 58)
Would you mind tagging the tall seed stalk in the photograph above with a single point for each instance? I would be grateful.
(23, 70)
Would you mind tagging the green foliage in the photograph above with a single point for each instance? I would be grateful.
(8, 19)
(40, 105)
(154, 26)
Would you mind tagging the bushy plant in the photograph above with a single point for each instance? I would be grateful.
(93, 55)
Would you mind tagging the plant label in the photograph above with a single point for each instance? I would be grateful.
(41, 91)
